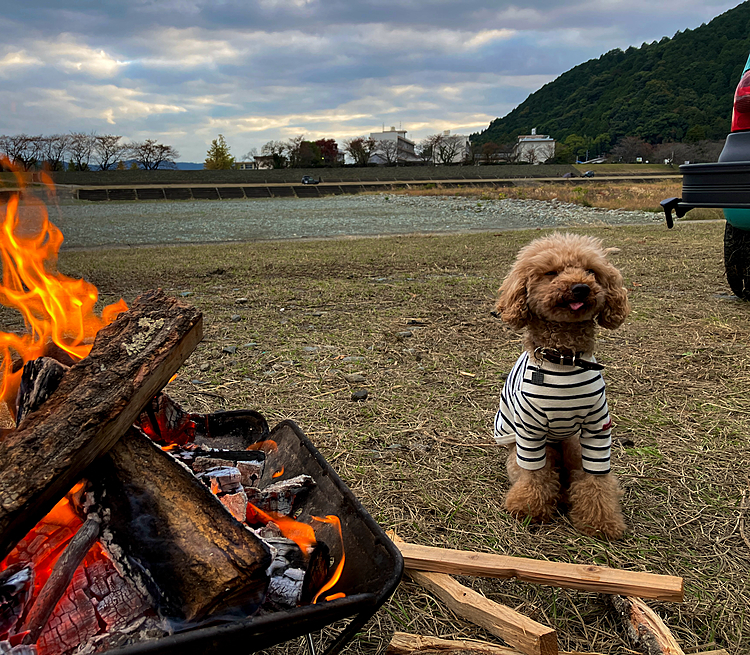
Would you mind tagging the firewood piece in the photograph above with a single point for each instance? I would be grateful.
(285, 587)
(644, 627)
(96, 402)
(407, 644)
(586, 577)
(16, 587)
(514, 628)
(39, 380)
(201, 558)
(280, 496)
(236, 504)
(61, 575)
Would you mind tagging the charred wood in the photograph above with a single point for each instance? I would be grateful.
(280, 497)
(61, 575)
(96, 402)
(16, 586)
(200, 557)
(39, 380)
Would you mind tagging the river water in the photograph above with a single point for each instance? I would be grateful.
(102, 224)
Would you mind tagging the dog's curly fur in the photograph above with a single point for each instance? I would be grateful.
(536, 297)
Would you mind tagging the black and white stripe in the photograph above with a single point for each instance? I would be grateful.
(570, 401)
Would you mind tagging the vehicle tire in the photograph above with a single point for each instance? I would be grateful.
(737, 260)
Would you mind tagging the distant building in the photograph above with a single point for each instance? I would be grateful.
(245, 165)
(451, 148)
(393, 148)
(534, 148)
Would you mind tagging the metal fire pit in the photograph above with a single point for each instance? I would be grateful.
(373, 563)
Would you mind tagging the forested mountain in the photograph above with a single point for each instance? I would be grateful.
(677, 89)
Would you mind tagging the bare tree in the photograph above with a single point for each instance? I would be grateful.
(22, 150)
(152, 155)
(293, 150)
(360, 149)
(388, 151)
(81, 149)
(276, 150)
(108, 150)
(448, 147)
(630, 148)
(426, 151)
(54, 150)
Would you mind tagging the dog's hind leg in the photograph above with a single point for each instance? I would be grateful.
(534, 494)
(595, 505)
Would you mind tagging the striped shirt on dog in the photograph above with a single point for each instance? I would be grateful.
(569, 402)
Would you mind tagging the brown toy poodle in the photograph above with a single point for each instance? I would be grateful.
(553, 412)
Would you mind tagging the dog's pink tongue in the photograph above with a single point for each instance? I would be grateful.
(575, 305)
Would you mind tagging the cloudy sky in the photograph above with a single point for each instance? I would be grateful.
(184, 71)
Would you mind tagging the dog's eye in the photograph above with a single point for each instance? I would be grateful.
(551, 273)
(591, 272)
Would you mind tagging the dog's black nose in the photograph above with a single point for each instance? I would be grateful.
(580, 291)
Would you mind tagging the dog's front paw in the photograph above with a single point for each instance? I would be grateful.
(595, 505)
(527, 499)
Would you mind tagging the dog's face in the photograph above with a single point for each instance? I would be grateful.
(563, 278)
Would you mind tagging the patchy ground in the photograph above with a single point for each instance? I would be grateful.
(286, 321)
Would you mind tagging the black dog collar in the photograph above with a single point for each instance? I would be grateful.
(556, 356)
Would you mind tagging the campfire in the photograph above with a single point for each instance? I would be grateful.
(128, 522)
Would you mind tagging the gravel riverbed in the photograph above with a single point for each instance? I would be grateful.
(92, 225)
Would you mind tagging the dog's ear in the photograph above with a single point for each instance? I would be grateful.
(512, 301)
(616, 308)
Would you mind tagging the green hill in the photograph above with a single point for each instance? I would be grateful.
(672, 90)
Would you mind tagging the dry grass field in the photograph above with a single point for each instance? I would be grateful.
(414, 313)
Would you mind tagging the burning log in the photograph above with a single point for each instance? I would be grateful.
(199, 556)
(96, 402)
(296, 575)
(39, 380)
(62, 574)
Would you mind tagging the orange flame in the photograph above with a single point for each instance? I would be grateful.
(266, 446)
(278, 474)
(56, 308)
(333, 520)
(300, 533)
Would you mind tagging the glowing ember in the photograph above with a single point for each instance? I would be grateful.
(56, 308)
(278, 474)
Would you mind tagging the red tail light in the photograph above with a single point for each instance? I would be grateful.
(741, 112)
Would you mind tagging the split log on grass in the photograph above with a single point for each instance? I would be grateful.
(405, 644)
(512, 627)
(519, 631)
(201, 558)
(586, 577)
(97, 401)
(644, 627)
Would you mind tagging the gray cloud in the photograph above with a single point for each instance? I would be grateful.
(184, 70)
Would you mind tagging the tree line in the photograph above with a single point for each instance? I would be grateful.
(677, 90)
(81, 151)
(299, 152)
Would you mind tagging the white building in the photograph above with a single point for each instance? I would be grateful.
(393, 147)
(451, 148)
(534, 148)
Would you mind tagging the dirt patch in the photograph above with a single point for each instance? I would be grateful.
(286, 322)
